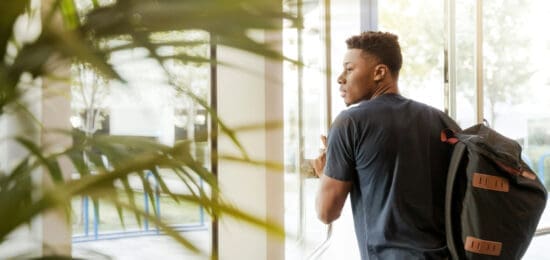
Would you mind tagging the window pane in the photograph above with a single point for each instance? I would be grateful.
(305, 117)
(465, 62)
(419, 26)
(148, 107)
(517, 84)
(345, 23)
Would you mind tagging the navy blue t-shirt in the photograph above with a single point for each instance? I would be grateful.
(390, 148)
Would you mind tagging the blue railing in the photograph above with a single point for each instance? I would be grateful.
(86, 236)
(146, 202)
(541, 167)
(527, 160)
(540, 164)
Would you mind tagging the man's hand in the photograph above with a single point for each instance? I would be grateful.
(319, 163)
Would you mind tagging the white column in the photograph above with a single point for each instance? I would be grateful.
(56, 112)
(250, 93)
(49, 233)
(274, 113)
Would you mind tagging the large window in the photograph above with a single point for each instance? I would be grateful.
(444, 56)
(516, 86)
(166, 113)
(419, 26)
(510, 60)
(514, 73)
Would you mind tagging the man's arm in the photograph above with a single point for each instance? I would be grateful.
(332, 192)
(331, 197)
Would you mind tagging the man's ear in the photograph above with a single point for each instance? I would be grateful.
(380, 72)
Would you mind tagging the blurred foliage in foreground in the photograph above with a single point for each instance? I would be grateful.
(70, 35)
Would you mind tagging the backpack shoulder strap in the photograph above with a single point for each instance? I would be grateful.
(454, 164)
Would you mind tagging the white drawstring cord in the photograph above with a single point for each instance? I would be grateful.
(318, 252)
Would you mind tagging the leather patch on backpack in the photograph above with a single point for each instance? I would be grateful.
(480, 246)
(529, 175)
(490, 182)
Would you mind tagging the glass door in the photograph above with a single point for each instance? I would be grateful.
(516, 87)
(305, 121)
(309, 86)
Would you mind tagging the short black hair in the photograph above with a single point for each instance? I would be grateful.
(383, 45)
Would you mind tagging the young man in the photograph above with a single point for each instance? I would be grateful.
(387, 153)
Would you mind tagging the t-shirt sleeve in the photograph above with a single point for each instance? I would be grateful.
(340, 162)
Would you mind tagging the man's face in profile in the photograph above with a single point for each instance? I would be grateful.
(357, 80)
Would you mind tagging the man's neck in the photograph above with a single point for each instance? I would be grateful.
(386, 87)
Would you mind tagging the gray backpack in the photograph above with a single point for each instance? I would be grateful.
(493, 200)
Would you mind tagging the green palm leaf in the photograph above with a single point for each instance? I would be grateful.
(105, 164)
